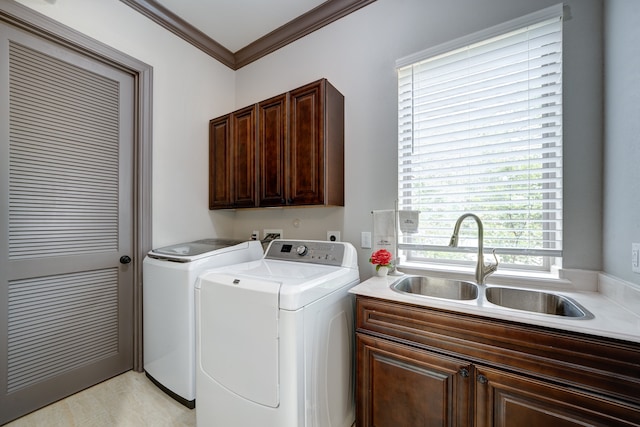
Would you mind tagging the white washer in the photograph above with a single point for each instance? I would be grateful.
(275, 338)
(169, 276)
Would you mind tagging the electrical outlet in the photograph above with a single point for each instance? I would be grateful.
(635, 257)
(272, 233)
(255, 235)
(333, 236)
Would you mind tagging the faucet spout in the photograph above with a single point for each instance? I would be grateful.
(482, 270)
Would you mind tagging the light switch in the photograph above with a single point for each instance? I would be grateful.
(635, 257)
(365, 240)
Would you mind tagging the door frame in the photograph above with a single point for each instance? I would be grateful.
(22, 17)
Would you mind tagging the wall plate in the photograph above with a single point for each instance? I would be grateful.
(365, 240)
(333, 236)
(272, 233)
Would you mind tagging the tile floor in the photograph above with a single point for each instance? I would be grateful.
(128, 400)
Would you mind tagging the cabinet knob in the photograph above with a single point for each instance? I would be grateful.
(464, 372)
(482, 379)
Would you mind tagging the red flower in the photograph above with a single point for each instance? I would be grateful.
(381, 258)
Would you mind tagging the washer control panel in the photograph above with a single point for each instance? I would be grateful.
(310, 251)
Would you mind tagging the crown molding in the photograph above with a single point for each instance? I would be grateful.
(326, 13)
(299, 27)
(172, 22)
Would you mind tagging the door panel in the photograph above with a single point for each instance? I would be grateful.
(272, 140)
(504, 399)
(306, 145)
(219, 165)
(59, 322)
(398, 385)
(244, 157)
(66, 219)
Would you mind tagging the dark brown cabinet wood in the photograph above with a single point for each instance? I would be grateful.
(273, 131)
(316, 149)
(232, 153)
(505, 399)
(297, 140)
(404, 386)
(219, 164)
(519, 374)
(243, 157)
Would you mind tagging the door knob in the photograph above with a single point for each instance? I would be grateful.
(125, 259)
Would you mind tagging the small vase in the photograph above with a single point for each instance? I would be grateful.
(382, 271)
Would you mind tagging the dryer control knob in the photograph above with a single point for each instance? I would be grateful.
(301, 250)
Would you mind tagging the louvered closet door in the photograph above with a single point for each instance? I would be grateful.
(66, 220)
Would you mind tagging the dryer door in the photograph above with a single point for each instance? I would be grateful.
(238, 335)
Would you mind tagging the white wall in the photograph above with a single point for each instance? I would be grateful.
(189, 88)
(358, 53)
(622, 137)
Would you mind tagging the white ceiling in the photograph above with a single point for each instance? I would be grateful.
(236, 23)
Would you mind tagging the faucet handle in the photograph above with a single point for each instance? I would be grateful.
(493, 267)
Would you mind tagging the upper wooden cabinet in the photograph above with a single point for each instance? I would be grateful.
(316, 149)
(219, 163)
(294, 156)
(273, 128)
(243, 155)
(232, 154)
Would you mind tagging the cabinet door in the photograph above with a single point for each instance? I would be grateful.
(272, 137)
(244, 157)
(505, 399)
(398, 385)
(305, 178)
(219, 164)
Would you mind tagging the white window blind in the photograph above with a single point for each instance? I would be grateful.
(480, 130)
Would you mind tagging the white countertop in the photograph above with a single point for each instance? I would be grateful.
(610, 319)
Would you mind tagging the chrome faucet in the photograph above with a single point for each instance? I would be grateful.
(482, 270)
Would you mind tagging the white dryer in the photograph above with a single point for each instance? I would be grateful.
(275, 338)
(169, 275)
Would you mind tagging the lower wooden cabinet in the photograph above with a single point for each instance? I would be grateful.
(418, 366)
(402, 386)
(505, 399)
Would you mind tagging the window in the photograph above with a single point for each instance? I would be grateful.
(480, 130)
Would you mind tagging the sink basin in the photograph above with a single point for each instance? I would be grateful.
(536, 302)
(436, 287)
